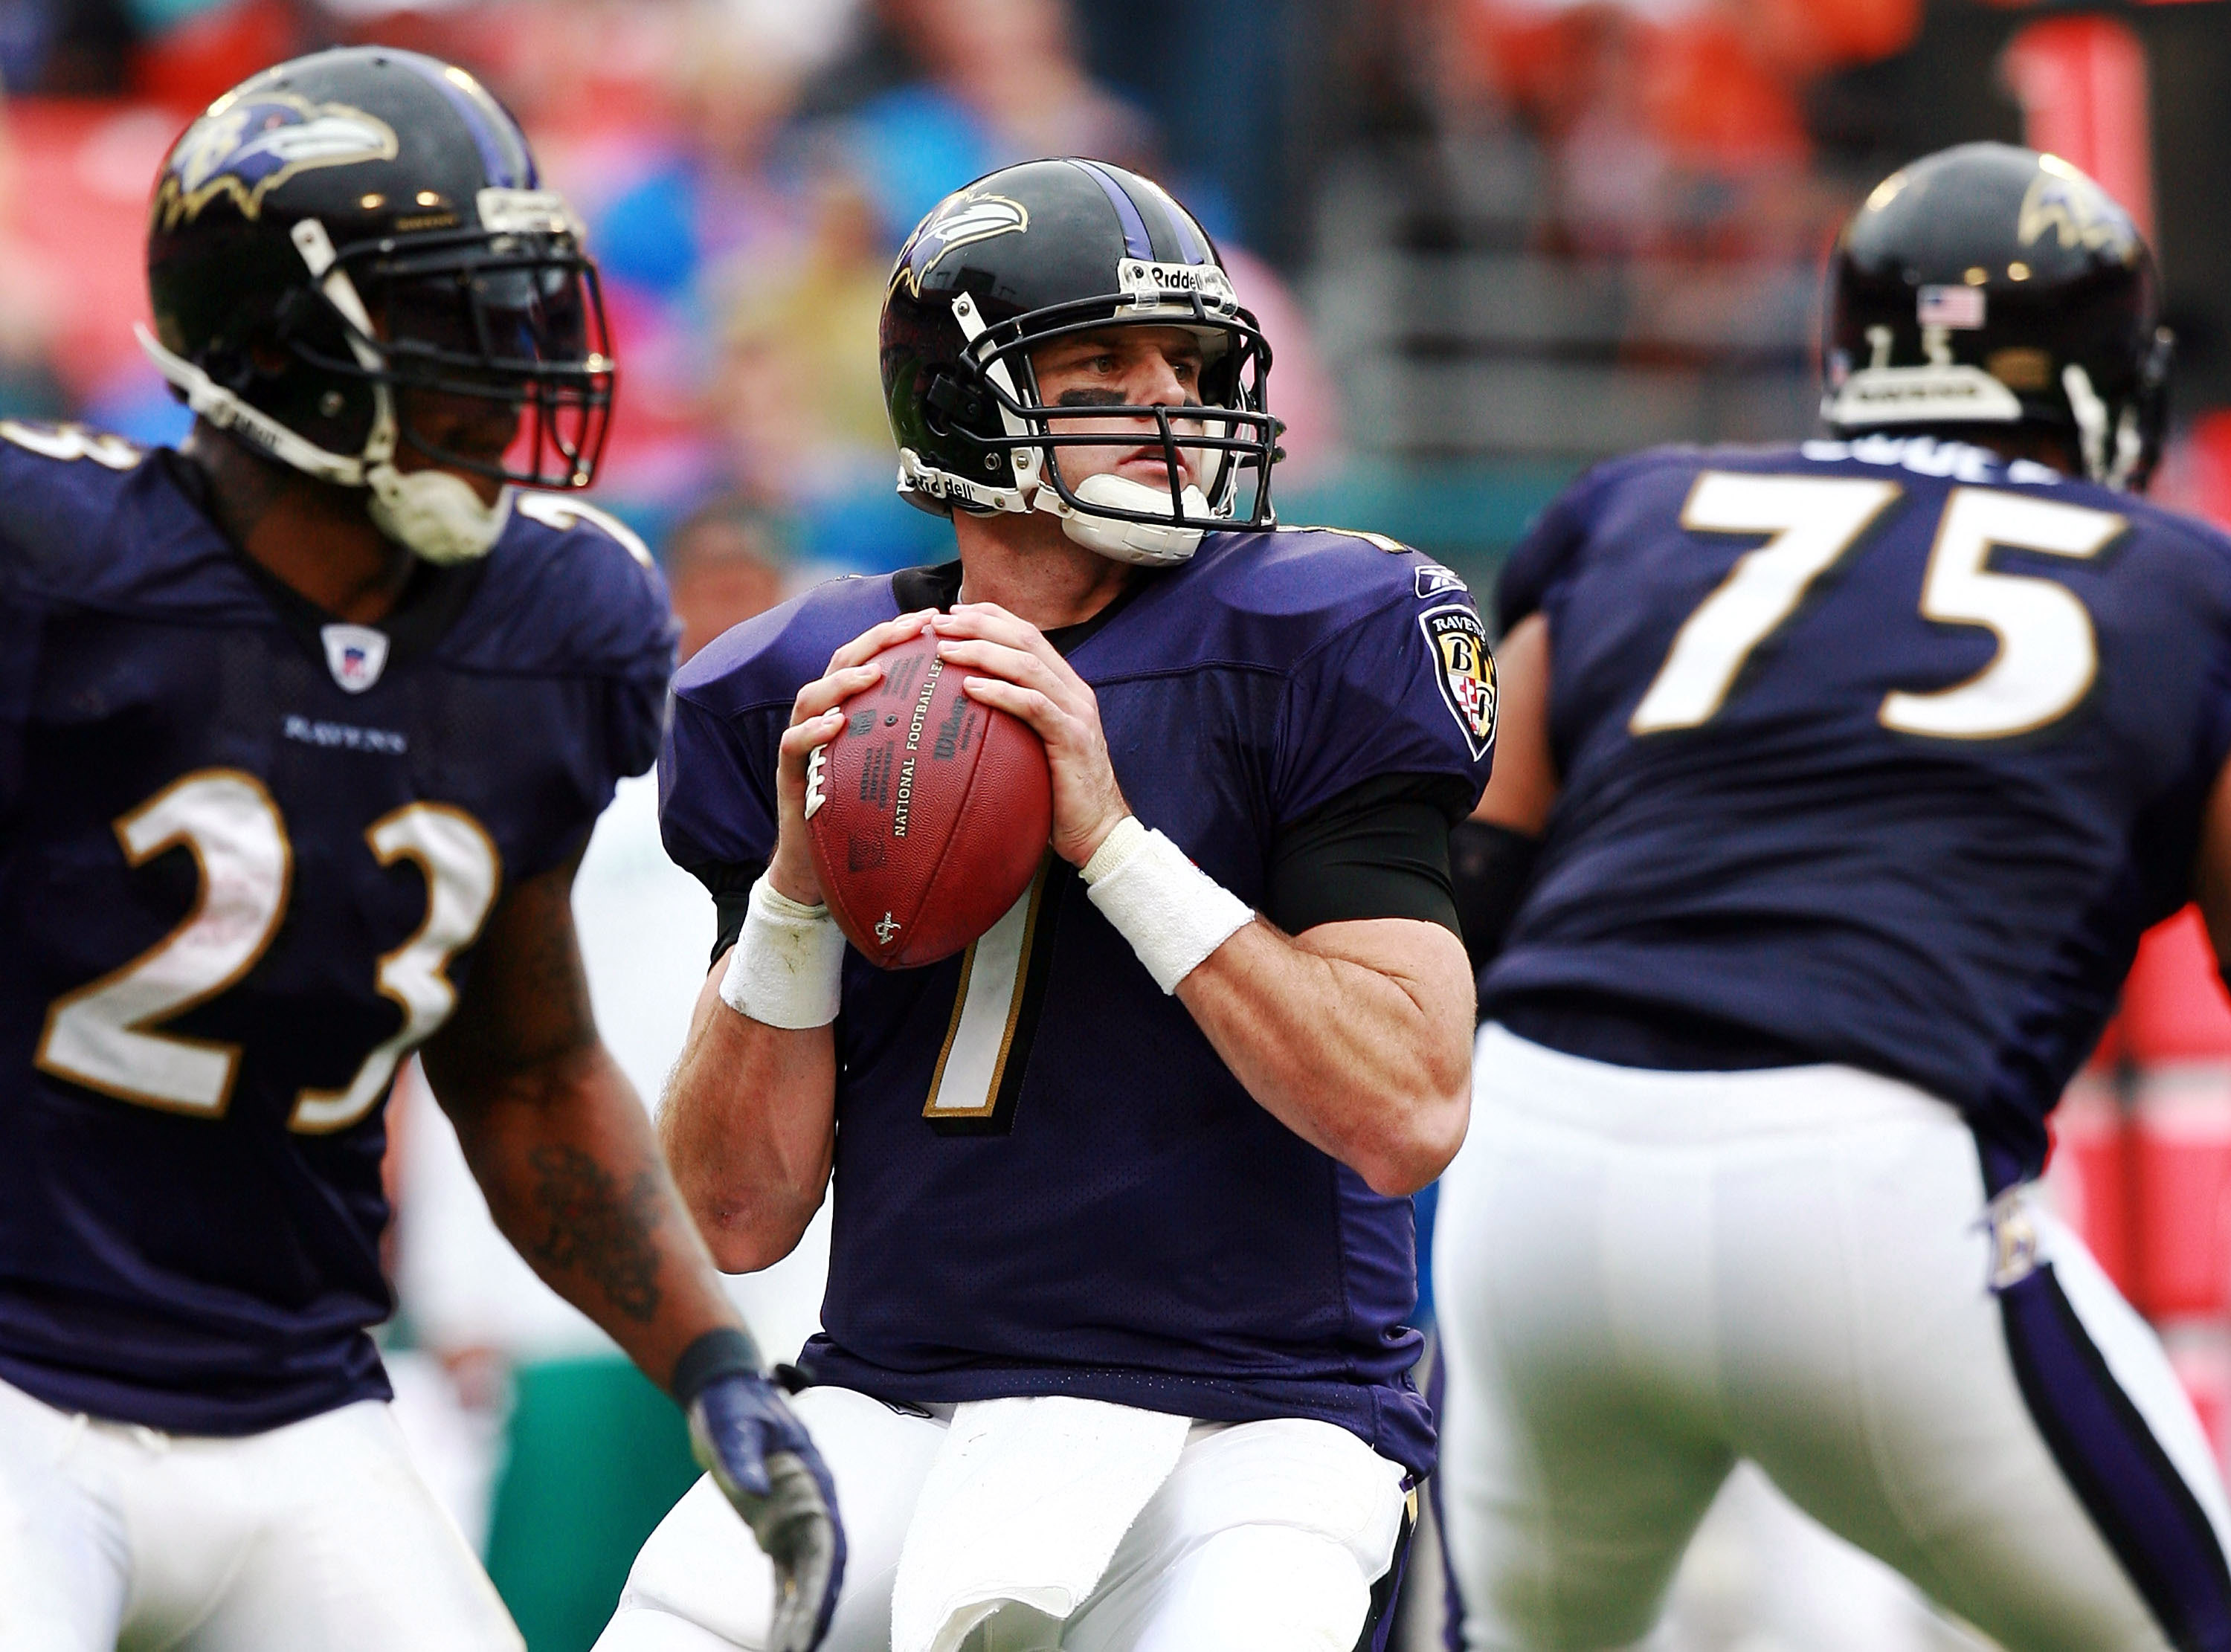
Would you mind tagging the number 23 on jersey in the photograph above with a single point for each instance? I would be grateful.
(2047, 653)
(104, 1035)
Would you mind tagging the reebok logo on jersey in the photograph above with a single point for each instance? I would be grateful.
(1434, 580)
(1464, 671)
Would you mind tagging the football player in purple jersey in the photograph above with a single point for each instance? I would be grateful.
(1840, 781)
(303, 727)
(1115, 1352)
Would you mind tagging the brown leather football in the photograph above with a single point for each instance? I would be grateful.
(928, 812)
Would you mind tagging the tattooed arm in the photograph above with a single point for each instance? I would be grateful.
(558, 1141)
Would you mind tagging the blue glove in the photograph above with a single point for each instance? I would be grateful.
(746, 1437)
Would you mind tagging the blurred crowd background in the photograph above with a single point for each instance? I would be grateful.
(1491, 240)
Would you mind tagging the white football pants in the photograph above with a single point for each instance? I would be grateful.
(317, 1537)
(1267, 1537)
(1642, 1277)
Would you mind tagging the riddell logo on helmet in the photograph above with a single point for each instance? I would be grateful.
(1145, 284)
(1895, 387)
(247, 148)
(941, 485)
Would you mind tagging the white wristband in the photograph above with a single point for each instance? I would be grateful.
(1174, 913)
(788, 964)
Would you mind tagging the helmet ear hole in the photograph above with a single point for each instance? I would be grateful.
(952, 408)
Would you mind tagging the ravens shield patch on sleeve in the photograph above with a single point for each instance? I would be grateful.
(1464, 671)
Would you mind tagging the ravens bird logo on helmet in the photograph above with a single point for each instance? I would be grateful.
(246, 147)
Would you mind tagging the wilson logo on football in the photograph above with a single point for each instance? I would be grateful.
(247, 149)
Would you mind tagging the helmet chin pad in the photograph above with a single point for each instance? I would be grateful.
(1152, 544)
(434, 514)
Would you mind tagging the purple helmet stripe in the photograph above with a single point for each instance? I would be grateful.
(1192, 245)
(1137, 242)
(510, 171)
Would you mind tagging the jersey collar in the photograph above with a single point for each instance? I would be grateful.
(430, 603)
(939, 587)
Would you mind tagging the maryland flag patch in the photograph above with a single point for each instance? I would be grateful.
(1464, 671)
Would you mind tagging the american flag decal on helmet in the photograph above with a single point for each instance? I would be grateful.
(1960, 307)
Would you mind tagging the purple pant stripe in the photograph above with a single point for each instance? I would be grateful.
(2118, 1470)
(1378, 1623)
(1452, 1606)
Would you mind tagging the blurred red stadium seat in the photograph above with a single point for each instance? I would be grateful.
(83, 171)
(2177, 1024)
(189, 64)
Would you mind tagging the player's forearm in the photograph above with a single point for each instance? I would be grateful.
(749, 1127)
(1368, 1059)
(574, 1179)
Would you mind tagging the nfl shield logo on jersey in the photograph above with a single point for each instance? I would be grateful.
(1465, 670)
(355, 654)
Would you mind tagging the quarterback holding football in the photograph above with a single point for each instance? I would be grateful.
(1114, 1353)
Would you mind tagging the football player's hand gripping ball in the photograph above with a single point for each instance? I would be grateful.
(746, 1437)
(1025, 675)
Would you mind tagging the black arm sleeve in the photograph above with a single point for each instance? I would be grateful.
(1489, 867)
(1380, 850)
(730, 885)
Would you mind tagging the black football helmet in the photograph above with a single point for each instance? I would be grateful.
(1043, 251)
(1988, 284)
(364, 222)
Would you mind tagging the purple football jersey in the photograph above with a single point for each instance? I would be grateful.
(247, 854)
(1046, 1181)
(1879, 751)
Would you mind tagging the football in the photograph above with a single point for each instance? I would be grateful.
(928, 812)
